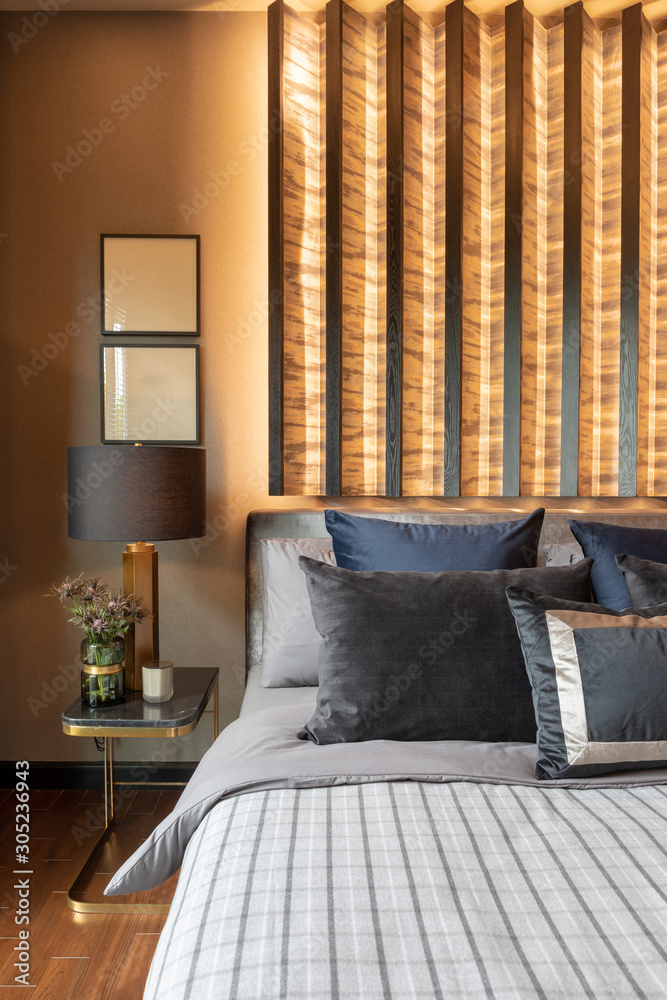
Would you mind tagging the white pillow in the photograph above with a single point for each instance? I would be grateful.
(290, 641)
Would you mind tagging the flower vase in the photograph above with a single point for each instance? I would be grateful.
(103, 674)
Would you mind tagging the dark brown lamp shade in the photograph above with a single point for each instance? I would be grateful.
(134, 493)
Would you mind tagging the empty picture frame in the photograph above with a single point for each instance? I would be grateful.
(150, 285)
(150, 395)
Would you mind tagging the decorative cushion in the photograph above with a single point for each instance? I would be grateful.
(646, 580)
(603, 542)
(371, 543)
(424, 656)
(290, 641)
(599, 681)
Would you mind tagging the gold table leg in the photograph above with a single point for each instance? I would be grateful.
(97, 849)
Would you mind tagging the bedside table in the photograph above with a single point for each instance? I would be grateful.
(193, 688)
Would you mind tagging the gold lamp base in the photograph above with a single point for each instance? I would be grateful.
(140, 579)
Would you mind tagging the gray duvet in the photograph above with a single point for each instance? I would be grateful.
(385, 871)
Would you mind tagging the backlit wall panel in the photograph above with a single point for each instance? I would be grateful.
(483, 222)
(467, 242)
(363, 256)
(422, 432)
(542, 258)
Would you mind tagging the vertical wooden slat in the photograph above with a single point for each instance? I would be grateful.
(483, 128)
(423, 344)
(453, 244)
(439, 232)
(572, 249)
(395, 19)
(630, 208)
(497, 278)
(542, 263)
(304, 327)
(601, 260)
(552, 303)
(362, 257)
(650, 407)
(514, 46)
(334, 240)
(660, 366)
(593, 160)
(276, 291)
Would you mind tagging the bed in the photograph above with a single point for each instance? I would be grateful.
(404, 869)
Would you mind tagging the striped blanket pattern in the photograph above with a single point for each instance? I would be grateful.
(405, 890)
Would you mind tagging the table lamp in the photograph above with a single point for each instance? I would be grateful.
(119, 494)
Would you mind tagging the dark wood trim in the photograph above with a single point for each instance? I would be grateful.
(395, 164)
(276, 262)
(454, 123)
(630, 207)
(56, 774)
(334, 242)
(572, 159)
(514, 44)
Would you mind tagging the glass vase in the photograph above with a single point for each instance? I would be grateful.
(103, 674)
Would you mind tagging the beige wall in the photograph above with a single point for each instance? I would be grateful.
(205, 117)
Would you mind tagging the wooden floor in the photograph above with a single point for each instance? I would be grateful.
(78, 956)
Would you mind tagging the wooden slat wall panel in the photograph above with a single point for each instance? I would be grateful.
(303, 248)
(423, 335)
(363, 320)
(542, 248)
(482, 258)
(650, 406)
(451, 325)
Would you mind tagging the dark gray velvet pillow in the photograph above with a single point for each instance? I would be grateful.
(599, 679)
(646, 580)
(424, 656)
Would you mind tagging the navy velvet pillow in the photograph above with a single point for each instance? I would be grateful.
(372, 544)
(603, 542)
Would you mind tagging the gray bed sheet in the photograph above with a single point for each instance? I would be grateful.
(257, 698)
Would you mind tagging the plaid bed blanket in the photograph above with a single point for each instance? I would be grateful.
(416, 890)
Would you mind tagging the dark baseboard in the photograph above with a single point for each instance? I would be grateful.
(59, 774)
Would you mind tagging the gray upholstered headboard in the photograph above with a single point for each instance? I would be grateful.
(310, 524)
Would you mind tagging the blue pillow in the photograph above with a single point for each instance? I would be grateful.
(603, 542)
(372, 544)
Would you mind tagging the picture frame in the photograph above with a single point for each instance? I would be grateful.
(150, 285)
(150, 394)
